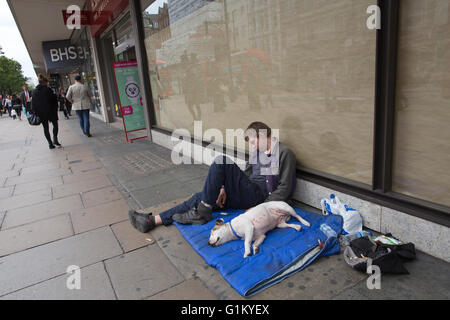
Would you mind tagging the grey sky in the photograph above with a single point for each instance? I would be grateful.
(12, 43)
(153, 9)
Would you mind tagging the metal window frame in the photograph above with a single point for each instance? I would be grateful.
(380, 192)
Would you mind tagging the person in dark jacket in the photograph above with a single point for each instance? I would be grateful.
(25, 98)
(44, 104)
(17, 106)
(62, 102)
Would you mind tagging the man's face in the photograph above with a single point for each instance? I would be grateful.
(258, 142)
(24, 88)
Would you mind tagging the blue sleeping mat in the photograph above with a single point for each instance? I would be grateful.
(283, 252)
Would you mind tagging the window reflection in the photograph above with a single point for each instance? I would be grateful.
(303, 66)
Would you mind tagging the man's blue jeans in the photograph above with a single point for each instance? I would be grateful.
(83, 116)
(241, 192)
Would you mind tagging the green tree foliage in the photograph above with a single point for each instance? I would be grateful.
(11, 76)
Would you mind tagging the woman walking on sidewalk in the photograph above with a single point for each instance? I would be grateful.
(45, 104)
(80, 97)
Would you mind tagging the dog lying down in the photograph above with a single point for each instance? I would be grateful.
(253, 225)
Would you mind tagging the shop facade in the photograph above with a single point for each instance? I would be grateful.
(365, 110)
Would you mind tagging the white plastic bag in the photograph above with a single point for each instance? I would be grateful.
(352, 218)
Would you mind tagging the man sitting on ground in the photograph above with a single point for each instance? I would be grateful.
(269, 176)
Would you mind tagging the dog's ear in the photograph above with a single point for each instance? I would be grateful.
(220, 222)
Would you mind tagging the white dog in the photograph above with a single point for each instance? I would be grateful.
(253, 225)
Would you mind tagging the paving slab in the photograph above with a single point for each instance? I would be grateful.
(98, 216)
(100, 196)
(148, 181)
(31, 166)
(38, 185)
(35, 234)
(94, 285)
(161, 193)
(81, 186)
(195, 289)
(42, 155)
(40, 168)
(85, 176)
(6, 192)
(428, 280)
(38, 264)
(37, 176)
(129, 238)
(142, 273)
(9, 173)
(85, 166)
(2, 216)
(26, 200)
(41, 211)
(85, 156)
(190, 264)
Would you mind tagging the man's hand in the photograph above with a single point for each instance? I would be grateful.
(222, 198)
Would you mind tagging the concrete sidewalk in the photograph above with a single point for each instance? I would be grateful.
(68, 206)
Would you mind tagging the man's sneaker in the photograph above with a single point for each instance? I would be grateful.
(132, 214)
(56, 143)
(205, 212)
(190, 217)
(144, 222)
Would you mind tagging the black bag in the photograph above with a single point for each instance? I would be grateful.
(389, 258)
(34, 119)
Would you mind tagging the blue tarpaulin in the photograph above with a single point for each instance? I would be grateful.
(283, 252)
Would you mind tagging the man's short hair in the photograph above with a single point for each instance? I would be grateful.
(257, 127)
(78, 78)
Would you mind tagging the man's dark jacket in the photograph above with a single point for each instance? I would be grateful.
(23, 99)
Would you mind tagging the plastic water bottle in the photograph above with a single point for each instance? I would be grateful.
(326, 229)
(350, 237)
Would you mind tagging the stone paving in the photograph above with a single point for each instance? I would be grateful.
(68, 206)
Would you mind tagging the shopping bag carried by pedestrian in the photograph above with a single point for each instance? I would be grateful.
(33, 119)
(352, 218)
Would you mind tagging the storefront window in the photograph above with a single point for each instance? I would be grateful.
(422, 132)
(305, 67)
(87, 70)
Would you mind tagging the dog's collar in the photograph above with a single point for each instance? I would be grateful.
(234, 232)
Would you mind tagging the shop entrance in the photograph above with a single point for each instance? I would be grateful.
(119, 42)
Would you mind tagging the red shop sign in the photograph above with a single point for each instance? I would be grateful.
(103, 13)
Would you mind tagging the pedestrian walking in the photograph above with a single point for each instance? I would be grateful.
(80, 96)
(68, 104)
(7, 105)
(2, 107)
(17, 106)
(44, 104)
(25, 98)
(62, 102)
